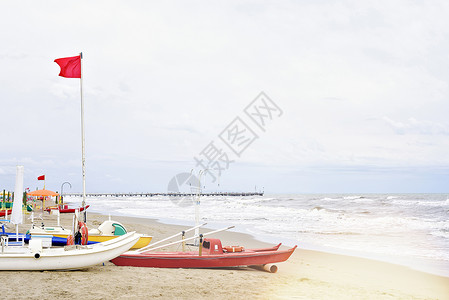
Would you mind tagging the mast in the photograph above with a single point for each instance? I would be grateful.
(83, 155)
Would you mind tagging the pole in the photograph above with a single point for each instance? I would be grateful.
(185, 240)
(197, 209)
(198, 201)
(168, 238)
(200, 250)
(183, 243)
(83, 159)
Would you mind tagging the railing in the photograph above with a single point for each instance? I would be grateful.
(238, 194)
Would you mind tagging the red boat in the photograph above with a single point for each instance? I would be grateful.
(64, 209)
(213, 255)
(3, 212)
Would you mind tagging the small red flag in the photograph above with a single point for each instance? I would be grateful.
(70, 66)
(42, 177)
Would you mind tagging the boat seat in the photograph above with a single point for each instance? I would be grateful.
(94, 231)
(19, 240)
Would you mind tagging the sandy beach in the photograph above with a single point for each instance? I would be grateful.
(306, 275)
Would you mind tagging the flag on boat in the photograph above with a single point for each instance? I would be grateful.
(42, 177)
(70, 66)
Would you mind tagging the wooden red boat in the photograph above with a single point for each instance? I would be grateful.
(213, 255)
(65, 209)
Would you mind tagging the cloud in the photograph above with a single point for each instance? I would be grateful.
(13, 56)
(360, 84)
(413, 126)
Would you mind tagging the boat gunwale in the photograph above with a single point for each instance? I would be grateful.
(195, 256)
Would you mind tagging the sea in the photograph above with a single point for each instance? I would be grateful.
(406, 229)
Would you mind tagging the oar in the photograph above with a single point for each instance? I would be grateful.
(170, 237)
(189, 239)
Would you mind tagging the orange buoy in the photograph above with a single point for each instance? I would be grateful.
(70, 240)
(233, 248)
(84, 233)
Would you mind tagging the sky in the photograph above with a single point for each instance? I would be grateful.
(358, 92)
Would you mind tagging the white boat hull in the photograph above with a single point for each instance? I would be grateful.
(16, 258)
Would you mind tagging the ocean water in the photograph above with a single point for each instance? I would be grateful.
(406, 229)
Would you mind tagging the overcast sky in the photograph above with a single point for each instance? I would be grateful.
(361, 89)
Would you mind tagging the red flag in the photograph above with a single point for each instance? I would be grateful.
(41, 177)
(70, 66)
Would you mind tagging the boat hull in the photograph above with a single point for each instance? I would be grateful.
(142, 242)
(93, 236)
(55, 241)
(193, 260)
(72, 258)
(67, 210)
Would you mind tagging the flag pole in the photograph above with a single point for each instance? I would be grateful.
(83, 159)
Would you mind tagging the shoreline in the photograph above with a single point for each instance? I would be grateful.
(404, 246)
(429, 267)
(307, 274)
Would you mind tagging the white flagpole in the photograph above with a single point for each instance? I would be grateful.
(83, 159)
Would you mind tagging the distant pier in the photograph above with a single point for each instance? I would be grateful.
(231, 194)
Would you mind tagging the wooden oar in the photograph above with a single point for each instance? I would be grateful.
(189, 239)
(170, 237)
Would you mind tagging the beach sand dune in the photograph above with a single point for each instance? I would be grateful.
(306, 275)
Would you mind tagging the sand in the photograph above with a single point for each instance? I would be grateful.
(306, 275)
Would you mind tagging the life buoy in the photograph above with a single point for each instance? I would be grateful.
(81, 235)
(233, 248)
(70, 240)
(84, 232)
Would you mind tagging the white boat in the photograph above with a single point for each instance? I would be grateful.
(16, 256)
(36, 257)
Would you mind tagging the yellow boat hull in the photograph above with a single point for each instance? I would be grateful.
(142, 242)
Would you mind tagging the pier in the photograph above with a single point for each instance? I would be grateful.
(230, 194)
